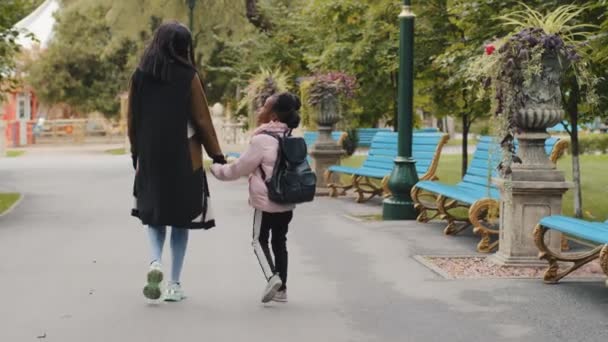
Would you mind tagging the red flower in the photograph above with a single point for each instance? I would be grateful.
(490, 48)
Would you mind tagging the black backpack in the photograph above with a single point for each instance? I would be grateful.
(293, 180)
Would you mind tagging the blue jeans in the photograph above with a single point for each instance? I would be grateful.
(179, 243)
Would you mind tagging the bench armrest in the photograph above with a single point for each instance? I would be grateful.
(430, 173)
(559, 149)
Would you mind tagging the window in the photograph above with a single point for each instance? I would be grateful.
(23, 106)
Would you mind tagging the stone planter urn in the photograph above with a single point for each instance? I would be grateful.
(326, 152)
(535, 188)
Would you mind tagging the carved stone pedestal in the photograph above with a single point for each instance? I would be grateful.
(325, 153)
(535, 190)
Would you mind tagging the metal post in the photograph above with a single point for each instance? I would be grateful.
(400, 206)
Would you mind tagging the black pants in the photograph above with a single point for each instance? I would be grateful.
(263, 224)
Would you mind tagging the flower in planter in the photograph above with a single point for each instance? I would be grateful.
(490, 48)
(331, 85)
(523, 72)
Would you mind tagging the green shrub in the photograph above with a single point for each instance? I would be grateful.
(592, 143)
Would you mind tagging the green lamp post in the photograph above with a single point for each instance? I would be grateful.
(191, 5)
(400, 206)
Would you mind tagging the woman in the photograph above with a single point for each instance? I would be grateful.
(169, 119)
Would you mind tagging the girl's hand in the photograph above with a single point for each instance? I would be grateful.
(215, 169)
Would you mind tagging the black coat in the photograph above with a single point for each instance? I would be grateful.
(169, 191)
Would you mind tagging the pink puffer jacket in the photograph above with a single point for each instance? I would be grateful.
(262, 151)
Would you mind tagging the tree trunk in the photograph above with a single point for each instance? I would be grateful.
(576, 167)
(465, 142)
(255, 17)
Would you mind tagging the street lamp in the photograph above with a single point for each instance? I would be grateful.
(400, 206)
(191, 5)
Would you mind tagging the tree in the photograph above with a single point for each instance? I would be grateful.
(216, 22)
(579, 86)
(468, 26)
(131, 19)
(81, 67)
(578, 94)
(10, 13)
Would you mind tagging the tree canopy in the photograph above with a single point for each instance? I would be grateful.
(10, 13)
(236, 38)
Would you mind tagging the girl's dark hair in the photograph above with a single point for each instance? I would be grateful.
(287, 108)
(172, 44)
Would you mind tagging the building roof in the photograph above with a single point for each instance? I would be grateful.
(40, 23)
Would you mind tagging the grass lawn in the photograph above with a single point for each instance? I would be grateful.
(14, 153)
(7, 201)
(594, 182)
(458, 142)
(117, 151)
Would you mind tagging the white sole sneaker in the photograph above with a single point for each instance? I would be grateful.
(280, 297)
(274, 284)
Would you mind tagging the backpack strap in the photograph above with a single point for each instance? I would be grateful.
(278, 138)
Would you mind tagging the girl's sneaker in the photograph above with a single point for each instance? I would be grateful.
(155, 278)
(174, 293)
(280, 297)
(274, 284)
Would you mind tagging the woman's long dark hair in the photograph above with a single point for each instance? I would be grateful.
(172, 44)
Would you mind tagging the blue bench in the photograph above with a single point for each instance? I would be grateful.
(233, 155)
(426, 130)
(366, 135)
(311, 137)
(379, 164)
(596, 232)
(475, 193)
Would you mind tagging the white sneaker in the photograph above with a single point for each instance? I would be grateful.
(274, 283)
(174, 293)
(280, 297)
(152, 289)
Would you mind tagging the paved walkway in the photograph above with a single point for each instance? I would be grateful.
(72, 264)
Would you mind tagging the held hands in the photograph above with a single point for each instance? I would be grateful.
(215, 169)
(218, 161)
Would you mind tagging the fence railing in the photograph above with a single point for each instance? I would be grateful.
(76, 130)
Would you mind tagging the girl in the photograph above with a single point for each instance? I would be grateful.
(278, 116)
(168, 121)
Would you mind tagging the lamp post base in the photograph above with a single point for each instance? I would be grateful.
(395, 210)
(401, 206)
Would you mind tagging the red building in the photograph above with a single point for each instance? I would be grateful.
(20, 108)
(19, 111)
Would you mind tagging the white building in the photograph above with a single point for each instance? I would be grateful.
(40, 23)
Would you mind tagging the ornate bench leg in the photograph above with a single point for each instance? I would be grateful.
(363, 186)
(553, 273)
(337, 189)
(386, 192)
(604, 260)
(444, 205)
(484, 217)
(565, 244)
(424, 207)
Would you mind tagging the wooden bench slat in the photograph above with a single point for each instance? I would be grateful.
(592, 231)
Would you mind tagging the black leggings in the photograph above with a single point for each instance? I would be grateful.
(278, 224)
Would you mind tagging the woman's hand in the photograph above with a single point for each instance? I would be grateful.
(220, 159)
